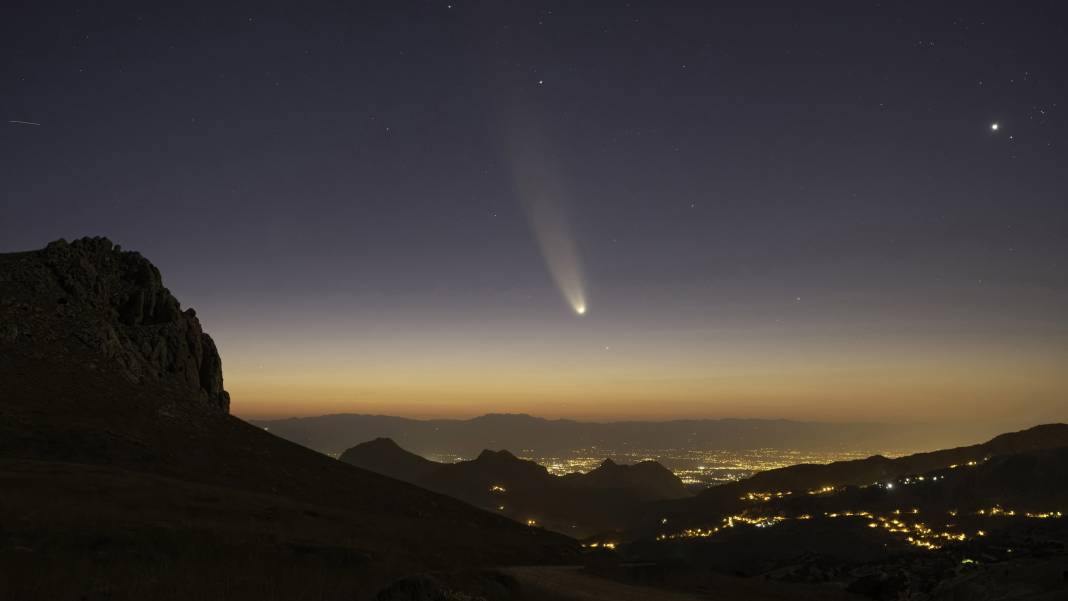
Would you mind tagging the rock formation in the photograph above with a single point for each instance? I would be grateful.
(89, 297)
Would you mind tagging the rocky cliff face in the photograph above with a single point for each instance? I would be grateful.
(90, 295)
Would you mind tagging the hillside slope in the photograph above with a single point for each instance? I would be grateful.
(116, 448)
(802, 480)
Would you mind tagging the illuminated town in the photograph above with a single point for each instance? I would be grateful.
(902, 524)
(697, 468)
(710, 468)
(905, 524)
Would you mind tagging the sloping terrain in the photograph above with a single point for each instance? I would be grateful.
(989, 529)
(809, 480)
(119, 460)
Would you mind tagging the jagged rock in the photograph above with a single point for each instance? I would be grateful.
(91, 295)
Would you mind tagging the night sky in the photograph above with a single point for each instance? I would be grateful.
(402, 207)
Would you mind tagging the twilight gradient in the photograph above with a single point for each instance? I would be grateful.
(770, 211)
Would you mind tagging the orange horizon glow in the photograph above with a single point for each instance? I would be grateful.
(885, 364)
(852, 391)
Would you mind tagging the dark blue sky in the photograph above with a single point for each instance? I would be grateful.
(776, 209)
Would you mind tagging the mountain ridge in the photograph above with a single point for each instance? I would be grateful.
(577, 504)
(333, 433)
(805, 478)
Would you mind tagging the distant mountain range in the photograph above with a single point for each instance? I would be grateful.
(880, 528)
(599, 501)
(527, 435)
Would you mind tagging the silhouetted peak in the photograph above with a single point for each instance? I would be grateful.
(1040, 436)
(650, 466)
(381, 444)
(496, 456)
(90, 296)
(380, 449)
(385, 456)
(647, 479)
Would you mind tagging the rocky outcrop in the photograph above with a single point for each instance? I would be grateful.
(90, 295)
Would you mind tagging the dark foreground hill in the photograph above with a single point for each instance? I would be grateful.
(123, 475)
(988, 523)
(600, 501)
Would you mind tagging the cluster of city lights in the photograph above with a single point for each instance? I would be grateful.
(998, 510)
(600, 545)
(912, 531)
(764, 497)
(915, 533)
(692, 466)
(730, 522)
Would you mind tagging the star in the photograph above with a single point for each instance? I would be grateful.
(994, 126)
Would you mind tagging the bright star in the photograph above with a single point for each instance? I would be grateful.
(993, 127)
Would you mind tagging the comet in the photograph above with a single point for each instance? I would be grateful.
(542, 192)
